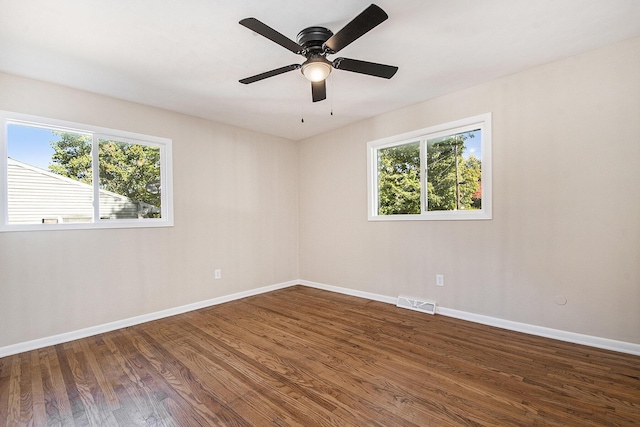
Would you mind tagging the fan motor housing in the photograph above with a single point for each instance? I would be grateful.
(312, 38)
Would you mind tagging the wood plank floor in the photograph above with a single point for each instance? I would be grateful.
(306, 357)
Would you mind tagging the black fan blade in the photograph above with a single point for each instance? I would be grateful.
(364, 67)
(268, 32)
(268, 74)
(319, 90)
(370, 18)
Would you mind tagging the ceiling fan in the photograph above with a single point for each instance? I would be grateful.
(315, 43)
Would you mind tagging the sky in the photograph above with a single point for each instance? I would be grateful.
(30, 145)
(473, 145)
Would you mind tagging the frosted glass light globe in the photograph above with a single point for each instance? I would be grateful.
(316, 71)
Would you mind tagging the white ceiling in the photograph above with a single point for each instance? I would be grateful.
(188, 56)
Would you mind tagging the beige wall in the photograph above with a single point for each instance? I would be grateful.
(566, 182)
(266, 210)
(235, 198)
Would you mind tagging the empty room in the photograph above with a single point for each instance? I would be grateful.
(335, 213)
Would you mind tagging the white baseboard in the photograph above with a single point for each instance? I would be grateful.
(605, 343)
(347, 291)
(99, 329)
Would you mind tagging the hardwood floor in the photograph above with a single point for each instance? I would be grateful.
(306, 357)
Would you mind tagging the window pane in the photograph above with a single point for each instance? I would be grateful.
(399, 179)
(49, 176)
(129, 180)
(454, 172)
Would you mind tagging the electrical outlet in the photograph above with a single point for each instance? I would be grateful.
(439, 279)
(217, 274)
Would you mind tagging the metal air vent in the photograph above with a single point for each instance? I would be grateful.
(416, 304)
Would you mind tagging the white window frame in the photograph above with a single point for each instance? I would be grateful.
(482, 122)
(166, 174)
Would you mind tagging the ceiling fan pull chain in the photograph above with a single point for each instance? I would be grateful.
(331, 84)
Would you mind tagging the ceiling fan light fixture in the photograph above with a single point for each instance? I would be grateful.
(316, 70)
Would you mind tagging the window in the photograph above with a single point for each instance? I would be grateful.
(61, 175)
(438, 173)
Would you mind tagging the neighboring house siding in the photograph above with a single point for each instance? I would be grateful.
(35, 195)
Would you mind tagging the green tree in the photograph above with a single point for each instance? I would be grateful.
(471, 176)
(72, 156)
(443, 159)
(131, 170)
(452, 180)
(399, 179)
